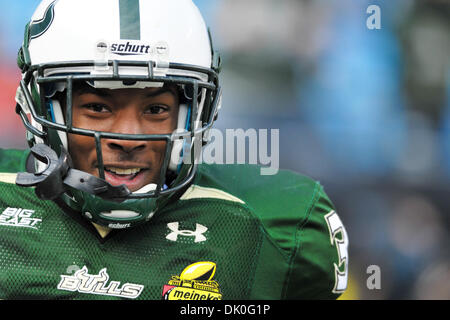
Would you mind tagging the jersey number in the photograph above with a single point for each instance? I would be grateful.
(336, 228)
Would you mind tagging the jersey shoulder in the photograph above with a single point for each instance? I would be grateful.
(300, 219)
(286, 195)
(12, 160)
(281, 202)
(247, 183)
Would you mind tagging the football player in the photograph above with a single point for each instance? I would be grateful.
(111, 202)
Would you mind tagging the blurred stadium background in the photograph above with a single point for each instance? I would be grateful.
(366, 112)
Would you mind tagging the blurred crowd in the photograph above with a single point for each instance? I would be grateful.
(364, 111)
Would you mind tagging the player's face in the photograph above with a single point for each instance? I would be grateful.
(128, 111)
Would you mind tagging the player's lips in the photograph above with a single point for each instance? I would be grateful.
(123, 171)
(133, 176)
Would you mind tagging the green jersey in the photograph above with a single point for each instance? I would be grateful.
(232, 235)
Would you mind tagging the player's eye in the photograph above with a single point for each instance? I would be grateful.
(97, 108)
(156, 109)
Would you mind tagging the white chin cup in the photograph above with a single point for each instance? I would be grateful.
(120, 214)
(146, 189)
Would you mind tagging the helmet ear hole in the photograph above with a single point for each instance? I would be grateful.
(188, 92)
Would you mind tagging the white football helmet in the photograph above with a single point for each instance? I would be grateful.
(114, 44)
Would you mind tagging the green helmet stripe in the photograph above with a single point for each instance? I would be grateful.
(130, 19)
(37, 28)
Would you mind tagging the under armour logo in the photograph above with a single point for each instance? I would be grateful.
(198, 233)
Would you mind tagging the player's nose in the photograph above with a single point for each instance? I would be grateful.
(127, 124)
(126, 146)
